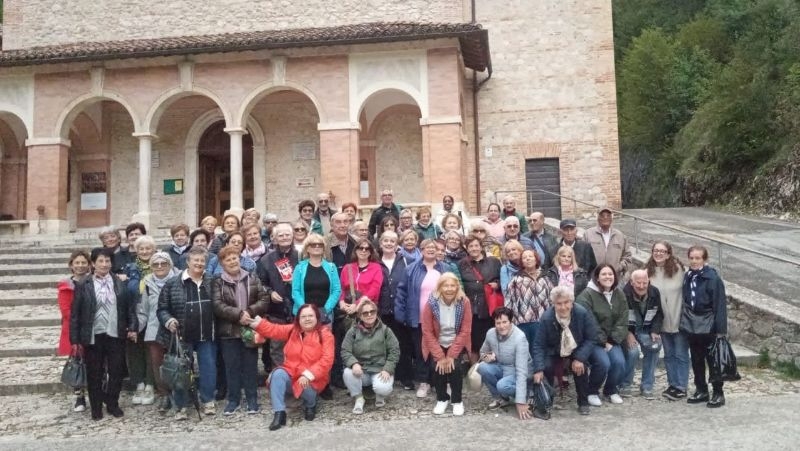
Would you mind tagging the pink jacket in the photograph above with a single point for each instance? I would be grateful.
(367, 282)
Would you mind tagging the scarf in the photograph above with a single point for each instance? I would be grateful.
(106, 288)
(144, 271)
(566, 278)
(242, 290)
(693, 275)
(415, 255)
(179, 249)
(161, 282)
(454, 256)
(254, 254)
(568, 343)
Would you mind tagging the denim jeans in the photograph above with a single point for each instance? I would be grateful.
(207, 368)
(646, 343)
(279, 384)
(356, 384)
(606, 365)
(499, 386)
(241, 370)
(676, 359)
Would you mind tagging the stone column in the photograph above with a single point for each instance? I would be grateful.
(260, 179)
(145, 163)
(47, 185)
(338, 155)
(442, 160)
(237, 185)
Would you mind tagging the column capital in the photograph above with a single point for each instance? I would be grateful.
(57, 141)
(145, 135)
(439, 120)
(235, 131)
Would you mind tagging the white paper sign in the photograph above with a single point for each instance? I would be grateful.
(364, 189)
(94, 201)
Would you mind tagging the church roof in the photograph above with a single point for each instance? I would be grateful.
(473, 40)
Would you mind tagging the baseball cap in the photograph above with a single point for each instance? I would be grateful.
(568, 223)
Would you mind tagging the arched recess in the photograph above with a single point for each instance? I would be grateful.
(13, 166)
(191, 162)
(166, 99)
(380, 89)
(266, 89)
(79, 104)
(391, 146)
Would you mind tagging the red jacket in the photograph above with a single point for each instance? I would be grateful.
(367, 282)
(66, 293)
(431, 330)
(309, 354)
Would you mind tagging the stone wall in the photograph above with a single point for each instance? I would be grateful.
(124, 177)
(44, 22)
(398, 157)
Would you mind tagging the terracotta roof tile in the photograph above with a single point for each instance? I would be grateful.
(472, 38)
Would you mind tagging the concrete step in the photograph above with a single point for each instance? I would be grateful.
(30, 315)
(34, 250)
(38, 296)
(35, 269)
(25, 375)
(30, 281)
(29, 341)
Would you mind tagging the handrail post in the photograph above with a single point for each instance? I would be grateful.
(636, 233)
(719, 257)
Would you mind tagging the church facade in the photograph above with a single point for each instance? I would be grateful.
(171, 111)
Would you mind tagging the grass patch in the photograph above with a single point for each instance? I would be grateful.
(788, 370)
(763, 359)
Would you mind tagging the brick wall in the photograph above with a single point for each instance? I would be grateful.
(45, 22)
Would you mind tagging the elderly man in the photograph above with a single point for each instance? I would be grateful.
(387, 207)
(340, 244)
(566, 335)
(644, 327)
(584, 255)
(510, 210)
(406, 221)
(324, 212)
(512, 232)
(270, 220)
(609, 244)
(542, 239)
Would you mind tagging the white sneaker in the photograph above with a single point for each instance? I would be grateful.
(615, 398)
(423, 390)
(458, 409)
(148, 396)
(594, 400)
(380, 401)
(358, 408)
(137, 397)
(440, 407)
(210, 408)
(181, 415)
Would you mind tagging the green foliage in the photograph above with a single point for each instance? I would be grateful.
(788, 370)
(763, 359)
(709, 101)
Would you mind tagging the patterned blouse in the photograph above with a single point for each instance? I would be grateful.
(528, 297)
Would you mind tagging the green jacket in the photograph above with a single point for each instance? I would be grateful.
(612, 319)
(375, 350)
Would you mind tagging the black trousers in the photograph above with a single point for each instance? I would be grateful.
(581, 382)
(455, 378)
(404, 372)
(699, 346)
(106, 354)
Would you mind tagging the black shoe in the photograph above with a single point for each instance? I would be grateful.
(327, 393)
(408, 385)
(698, 397)
(220, 395)
(115, 411)
(542, 415)
(309, 413)
(165, 404)
(584, 409)
(278, 420)
(97, 415)
(717, 400)
(80, 404)
(670, 393)
(680, 394)
(338, 383)
(368, 392)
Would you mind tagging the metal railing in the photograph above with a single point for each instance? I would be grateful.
(638, 220)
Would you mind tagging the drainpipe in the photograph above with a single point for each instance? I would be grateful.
(475, 121)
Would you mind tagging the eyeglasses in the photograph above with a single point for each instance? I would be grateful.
(660, 251)
(159, 264)
(307, 210)
(270, 222)
(512, 226)
(369, 313)
(405, 217)
(300, 229)
(235, 242)
(322, 201)
(316, 245)
(364, 248)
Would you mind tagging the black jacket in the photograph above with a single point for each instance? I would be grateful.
(190, 305)
(334, 252)
(390, 281)
(84, 308)
(550, 244)
(583, 254)
(580, 277)
(489, 268)
(226, 308)
(547, 343)
(379, 213)
(270, 276)
(121, 259)
(178, 262)
(654, 315)
(709, 297)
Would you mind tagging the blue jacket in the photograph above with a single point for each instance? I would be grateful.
(299, 289)
(709, 296)
(507, 272)
(547, 343)
(406, 303)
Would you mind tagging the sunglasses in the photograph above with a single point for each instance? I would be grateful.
(270, 222)
(369, 313)
(316, 245)
(364, 248)
(300, 229)
(159, 264)
(512, 226)
(322, 201)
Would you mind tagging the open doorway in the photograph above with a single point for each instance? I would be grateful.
(214, 175)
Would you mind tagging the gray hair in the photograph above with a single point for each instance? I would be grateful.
(561, 292)
(197, 250)
(110, 230)
(640, 273)
(144, 240)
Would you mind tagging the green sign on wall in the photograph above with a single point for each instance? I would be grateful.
(173, 186)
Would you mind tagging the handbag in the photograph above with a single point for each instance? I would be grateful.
(723, 360)
(493, 298)
(696, 323)
(176, 371)
(343, 320)
(474, 378)
(74, 373)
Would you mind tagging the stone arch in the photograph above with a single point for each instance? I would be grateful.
(13, 165)
(13, 110)
(153, 116)
(75, 107)
(376, 89)
(266, 89)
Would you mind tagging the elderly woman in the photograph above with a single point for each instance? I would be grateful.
(236, 240)
(425, 227)
(408, 246)
(315, 280)
(363, 276)
(454, 250)
(102, 316)
(139, 368)
(370, 353)
(109, 237)
(394, 270)
(80, 268)
(230, 224)
(308, 360)
(254, 248)
(180, 242)
(477, 273)
(666, 274)
(300, 229)
(528, 295)
(359, 230)
(209, 224)
(406, 220)
(196, 326)
(494, 223)
(445, 338)
(512, 251)
(606, 301)
(491, 246)
(162, 270)
(705, 317)
(452, 222)
(351, 210)
(506, 363)
(388, 223)
(238, 297)
(565, 271)
(567, 335)
(306, 210)
(251, 216)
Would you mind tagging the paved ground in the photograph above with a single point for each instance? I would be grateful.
(760, 274)
(761, 413)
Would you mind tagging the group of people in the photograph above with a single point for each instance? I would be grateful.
(333, 301)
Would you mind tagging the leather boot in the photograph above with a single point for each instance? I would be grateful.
(698, 397)
(717, 400)
(278, 420)
(310, 413)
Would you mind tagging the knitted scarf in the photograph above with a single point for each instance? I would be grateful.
(144, 271)
(568, 343)
(692, 275)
